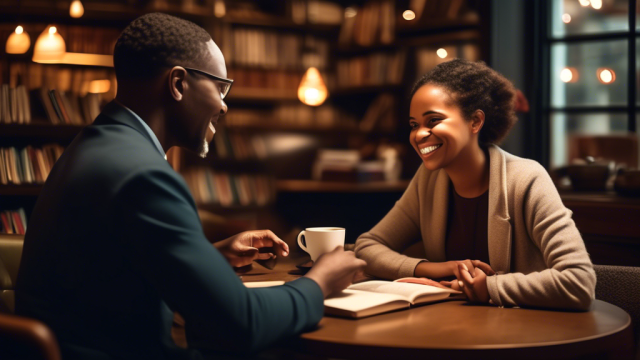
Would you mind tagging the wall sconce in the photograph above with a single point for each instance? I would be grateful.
(18, 42)
(76, 9)
(312, 90)
(49, 47)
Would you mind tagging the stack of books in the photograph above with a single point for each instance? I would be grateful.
(15, 107)
(28, 165)
(210, 187)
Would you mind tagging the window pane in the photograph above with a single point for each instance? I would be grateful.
(589, 74)
(575, 17)
(565, 127)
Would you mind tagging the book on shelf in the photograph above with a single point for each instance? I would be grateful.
(66, 108)
(377, 297)
(28, 165)
(373, 23)
(13, 222)
(226, 189)
(371, 70)
(14, 105)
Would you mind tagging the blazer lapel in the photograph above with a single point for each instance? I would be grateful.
(499, 225)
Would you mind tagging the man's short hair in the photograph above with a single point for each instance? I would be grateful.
(157, 40)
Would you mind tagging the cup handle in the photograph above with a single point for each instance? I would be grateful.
(302, 246)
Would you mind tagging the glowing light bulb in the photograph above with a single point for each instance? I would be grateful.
(596, 4)
(312, 90)
(409, 15)
(442, 53)
(566, 18)
(76, 9)
(18, 42)
(49, 47)
(606, 75)
(350, 12)
(566, 75)
(584, 2)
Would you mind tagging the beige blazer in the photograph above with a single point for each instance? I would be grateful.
(534, 245)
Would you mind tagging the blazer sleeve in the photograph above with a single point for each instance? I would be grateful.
(569, 280)
(381, 246)
(162, 235)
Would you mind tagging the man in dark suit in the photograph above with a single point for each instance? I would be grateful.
(114, 243)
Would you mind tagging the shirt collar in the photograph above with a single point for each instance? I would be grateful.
(152, 135)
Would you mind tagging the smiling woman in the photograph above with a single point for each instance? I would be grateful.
(492, 222)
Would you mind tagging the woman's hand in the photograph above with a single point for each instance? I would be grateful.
(241, 249)
(474, 287)
(471, 266)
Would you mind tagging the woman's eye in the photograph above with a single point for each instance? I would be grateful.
(434, 120)
(413, 125)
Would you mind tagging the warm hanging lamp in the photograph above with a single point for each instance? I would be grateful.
(76, 9)
(50, 46)
(18, 42)
(312, 90)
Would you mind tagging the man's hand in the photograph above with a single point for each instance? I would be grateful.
(475, 287)
(241, 249)
(471, 266)
(336, 270)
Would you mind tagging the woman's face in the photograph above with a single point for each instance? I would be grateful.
(439, 132)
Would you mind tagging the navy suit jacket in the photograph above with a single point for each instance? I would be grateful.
(115, 245)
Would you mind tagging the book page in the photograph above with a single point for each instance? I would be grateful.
(354, 300)
(409, 291)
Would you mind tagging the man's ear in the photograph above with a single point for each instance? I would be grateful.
(477, 121)
(177, 83)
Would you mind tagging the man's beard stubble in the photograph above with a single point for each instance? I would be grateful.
(203, 150)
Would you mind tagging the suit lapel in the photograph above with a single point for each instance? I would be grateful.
(499, 226)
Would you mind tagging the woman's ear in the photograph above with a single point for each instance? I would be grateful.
(177, 83)
(477, 121)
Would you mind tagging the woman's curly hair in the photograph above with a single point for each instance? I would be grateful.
(473, 86)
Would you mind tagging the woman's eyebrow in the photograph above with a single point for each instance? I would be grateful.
(430, 112)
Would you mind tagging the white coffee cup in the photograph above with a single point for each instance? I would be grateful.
(320, 240)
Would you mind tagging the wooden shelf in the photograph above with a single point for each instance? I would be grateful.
(436, 25)
(20, 190)
(280, 23)
(257, 94)
(371, 89)
(40, 131)
(268, 126)
(341, 187)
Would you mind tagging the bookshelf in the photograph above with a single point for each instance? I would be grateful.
(268, 47)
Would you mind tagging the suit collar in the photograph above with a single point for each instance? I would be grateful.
(116, 112)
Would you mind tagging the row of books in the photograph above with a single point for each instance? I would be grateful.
(28, 165)
(293, 116)
(13, 222)
(225, 189)
(261, 79)
(270, 49)
(239, 146)
(75, 80)
(88, 39)
(15, 107)
(436, 9)
(372, 23)
(67, 108)
(371, 70)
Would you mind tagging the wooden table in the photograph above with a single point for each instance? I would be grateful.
(456, 329)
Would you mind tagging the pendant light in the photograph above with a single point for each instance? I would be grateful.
(50, 46)
(312, 90)
(76, 9)
(18, 42)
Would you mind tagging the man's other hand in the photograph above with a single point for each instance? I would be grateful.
(335, 270)
(241, 249)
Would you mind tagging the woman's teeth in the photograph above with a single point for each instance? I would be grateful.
(429, 149)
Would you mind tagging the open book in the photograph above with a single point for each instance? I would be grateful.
(376, 297)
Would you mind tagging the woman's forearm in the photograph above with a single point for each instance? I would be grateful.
(434, 270)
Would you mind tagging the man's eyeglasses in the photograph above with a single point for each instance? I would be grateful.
(224, 84)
